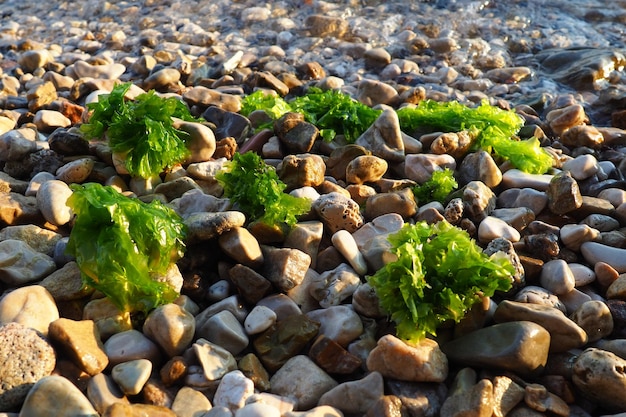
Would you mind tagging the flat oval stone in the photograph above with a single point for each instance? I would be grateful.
(76, 171)
(43, 399)
(32, 306)
(564, 333)
(130, 345)
(51, 199)
(492, 227)
(557, 277)
(596, 252)
(517, 346)
(20, 264)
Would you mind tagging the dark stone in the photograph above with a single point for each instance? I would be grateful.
(339, 159)
(284, 340)
(228, 124)
(542, 246)
(419, 398)
(252, 368)
(332, 357)
(618, 312)
(251, 285)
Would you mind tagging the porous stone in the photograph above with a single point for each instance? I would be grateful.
(597, 374)
(27, 358)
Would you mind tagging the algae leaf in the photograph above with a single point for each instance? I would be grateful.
(437, 188)
(255, 188)
(272, 104)
(121, 243)
(438, 274)
(141, 129)
(496, 127)
(334, 112)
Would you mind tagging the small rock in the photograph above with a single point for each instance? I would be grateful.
(81, 341)
(161, 79)
(514, 178)
(492, 227)
(31, 306)
(82, 69)
(374, 92)
(204, 226)
(233, 391)
(574, 235)
(49, 120)
(242, 246)
(596, 374)
(43, 399)
(332, 357)
(581, 167)
(306, 236)
(66, 284)
(401, 202)
(76, 171)
(596, 252)
(395, 359)
(260, 319)
(215, 360)
(301, 170)
(355, 396)
(365, 168)
(130, 345)
(563, 194)
(171, 327)
(467, 397)
(522, 347)
(251, 285)
(339, 323)
(300, 378)
(252, 368)
(190, 403)
(564, 333)
(479, 201)
(564, 118)
(286, 338)
(595, 318)
(131, 376)
(384, 138)
(51, 199)
(332, 287)
(523, 197)
(479, 166)
(225, 330)
(557, 277)
(27, 358)
(15, 146)
(539, 398)
(285, 267)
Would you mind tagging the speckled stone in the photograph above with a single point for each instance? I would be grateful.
(27, 358)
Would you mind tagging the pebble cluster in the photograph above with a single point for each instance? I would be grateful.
(283, 323)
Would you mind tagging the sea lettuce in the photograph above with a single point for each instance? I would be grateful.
(437, 188)
(335, 113)
(438, 274)
(254, 187)
(497, 127)
(121, 243)
(272, 104)
(140, 129)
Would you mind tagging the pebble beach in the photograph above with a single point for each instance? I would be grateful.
(287, 321)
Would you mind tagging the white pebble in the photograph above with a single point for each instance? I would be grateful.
(346, 245)
(259, 319)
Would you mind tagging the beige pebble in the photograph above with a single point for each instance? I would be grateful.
(32, 306)
(131, 376)
(81, 341)
(43, 399)
(76, 171)
(595, 318)
(171, 327)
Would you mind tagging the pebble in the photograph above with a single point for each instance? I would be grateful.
(190, 402)
(331, 288)
(21, 264)
(233, 391)
(131, 345)
(301, 379)
(594, 372)
(215, 360)
(492, 227)
(596, 252)
(171, 327)
(523, 347)
(564, 333)
(31, 306)
(51, 198)
(28, 358)
(259, 319)
(80, 340)
(557, 277)
(43, 399)
(392, 357)
(131, 376)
